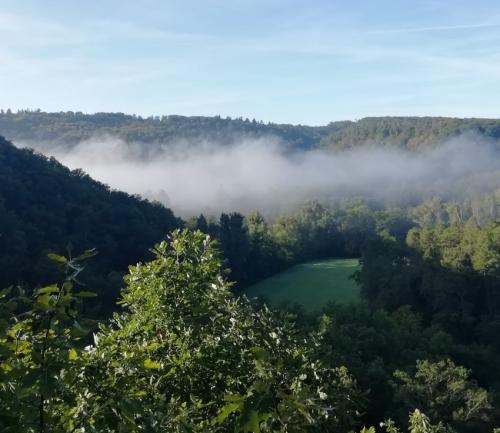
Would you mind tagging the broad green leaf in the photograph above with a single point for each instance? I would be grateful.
(5, 292)
(68, 285)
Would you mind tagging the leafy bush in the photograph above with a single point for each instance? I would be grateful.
(183, 355)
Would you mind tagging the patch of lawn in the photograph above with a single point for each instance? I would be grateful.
(312, 284)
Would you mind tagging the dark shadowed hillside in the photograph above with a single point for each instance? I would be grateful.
(46, 207)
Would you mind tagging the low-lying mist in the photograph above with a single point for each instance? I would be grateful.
(265, 174)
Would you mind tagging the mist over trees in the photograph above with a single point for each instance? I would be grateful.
(70, 128)
(184, 350)
(214, 165)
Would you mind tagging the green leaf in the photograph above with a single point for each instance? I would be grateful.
(225, 412)
(43, 301)
(5, 292)
(57, 258)
(49, 289)
(151, 365)
(72, 355)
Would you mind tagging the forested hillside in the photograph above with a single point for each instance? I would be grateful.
(70, 128)
(46, 207)
(414, 133)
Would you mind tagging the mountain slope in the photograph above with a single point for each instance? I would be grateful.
(46, 207)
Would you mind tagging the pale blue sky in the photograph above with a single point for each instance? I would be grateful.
(293, 61)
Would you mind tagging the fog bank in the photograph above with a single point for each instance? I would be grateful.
(264, 174)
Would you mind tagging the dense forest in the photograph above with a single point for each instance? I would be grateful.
(70, 128)
(174, 345)
(412, 133)
(44, 207)
(183, 354)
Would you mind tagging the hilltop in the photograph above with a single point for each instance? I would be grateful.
(71, 128)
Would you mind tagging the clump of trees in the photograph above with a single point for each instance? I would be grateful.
(444, 391)
(442, 286)
(255, 249)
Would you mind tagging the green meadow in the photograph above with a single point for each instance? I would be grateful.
(311, 285)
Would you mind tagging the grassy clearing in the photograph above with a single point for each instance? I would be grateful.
(311, 285)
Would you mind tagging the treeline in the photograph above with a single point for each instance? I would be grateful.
(70, 128)
(255, 249)
(480, 208)
(182, 353)
(413, 133)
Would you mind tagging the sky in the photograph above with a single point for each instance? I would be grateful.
(294, 61)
